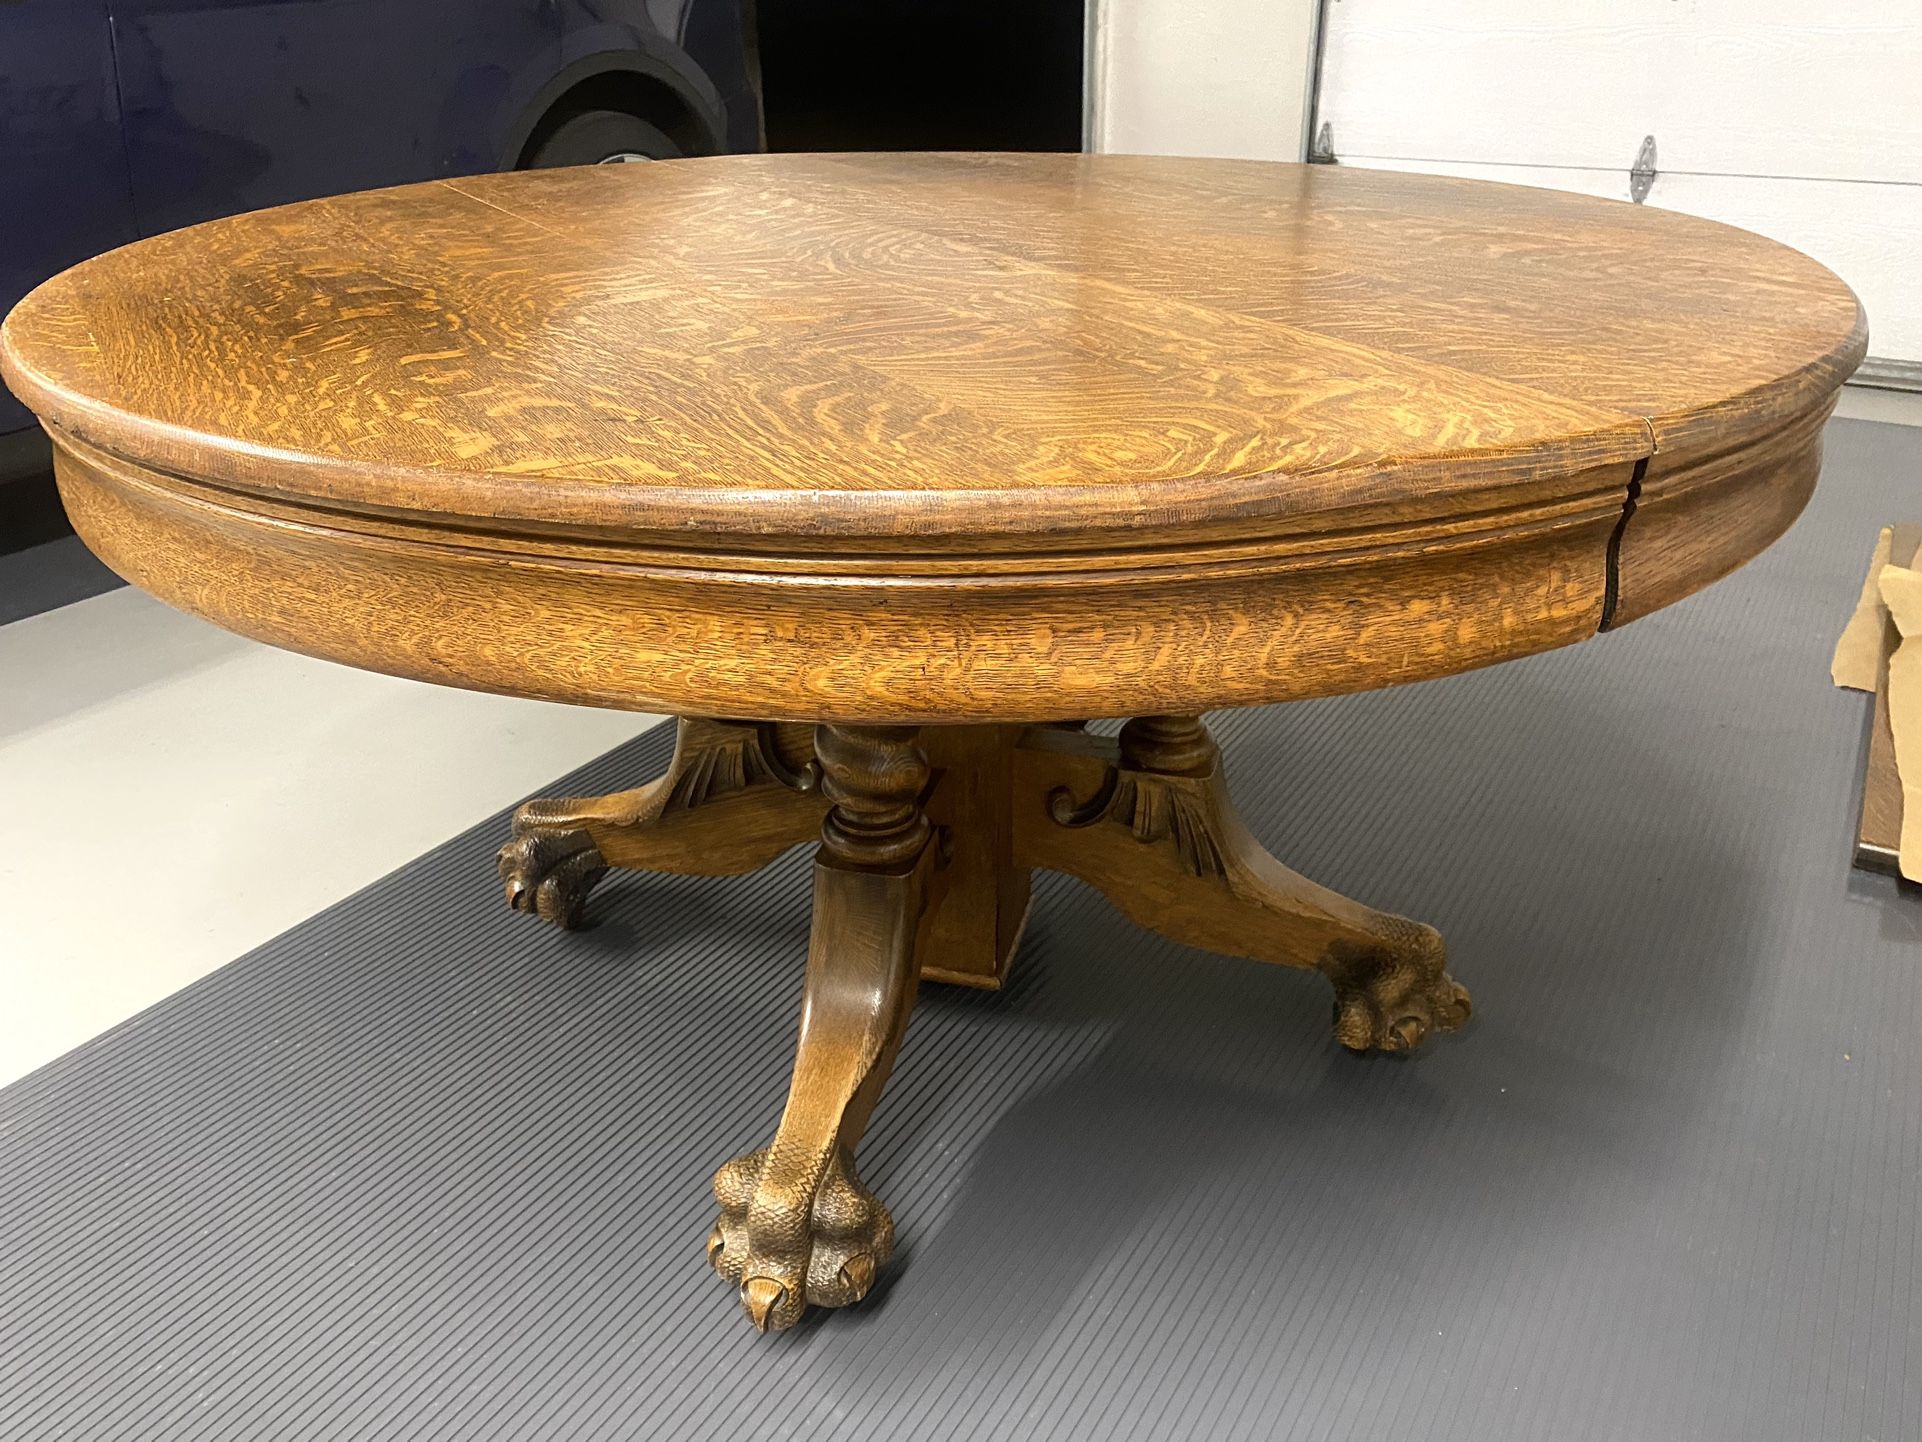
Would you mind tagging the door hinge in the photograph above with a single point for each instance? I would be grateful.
(1641, 176)
(1322, 152)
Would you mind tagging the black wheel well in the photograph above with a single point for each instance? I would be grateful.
(647, 97)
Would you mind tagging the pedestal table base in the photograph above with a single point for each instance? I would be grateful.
(928, 837)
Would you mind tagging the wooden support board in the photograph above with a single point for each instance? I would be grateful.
(1878, 834)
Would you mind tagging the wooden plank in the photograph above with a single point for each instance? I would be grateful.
(1878, 833)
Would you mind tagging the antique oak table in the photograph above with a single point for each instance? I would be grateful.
(885, 472)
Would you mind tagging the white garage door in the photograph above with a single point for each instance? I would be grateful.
(1795, 118)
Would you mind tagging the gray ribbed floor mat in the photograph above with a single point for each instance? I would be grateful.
(425, 1169)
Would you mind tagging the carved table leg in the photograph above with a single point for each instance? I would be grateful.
(797, 1226)
(735, 796)
(1148, 822)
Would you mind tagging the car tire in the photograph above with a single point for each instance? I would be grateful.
(601, 137)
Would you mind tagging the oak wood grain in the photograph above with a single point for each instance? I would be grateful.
(912, 439)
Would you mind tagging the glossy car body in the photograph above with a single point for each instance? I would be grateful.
(125, 118)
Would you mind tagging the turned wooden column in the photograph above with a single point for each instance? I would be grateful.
(874, 778)
(1170, 745)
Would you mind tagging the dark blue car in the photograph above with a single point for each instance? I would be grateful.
(124, 118)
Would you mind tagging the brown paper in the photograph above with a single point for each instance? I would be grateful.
(1901, 591)
(1858, 654)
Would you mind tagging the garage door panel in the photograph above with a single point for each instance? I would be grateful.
(1398, 83)
(1731, 87)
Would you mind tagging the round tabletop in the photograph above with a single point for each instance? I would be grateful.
(935, 437)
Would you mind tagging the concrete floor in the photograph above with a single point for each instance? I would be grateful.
(175, 795)
(1866, 403)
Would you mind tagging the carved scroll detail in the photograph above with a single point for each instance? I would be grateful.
(1153, 809)
(1152, 790)
(717, 757)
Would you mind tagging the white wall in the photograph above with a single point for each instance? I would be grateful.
(1184, 77)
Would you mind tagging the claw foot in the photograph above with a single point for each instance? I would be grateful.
(1388, 997)
(549, 874)
(828, 1260)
